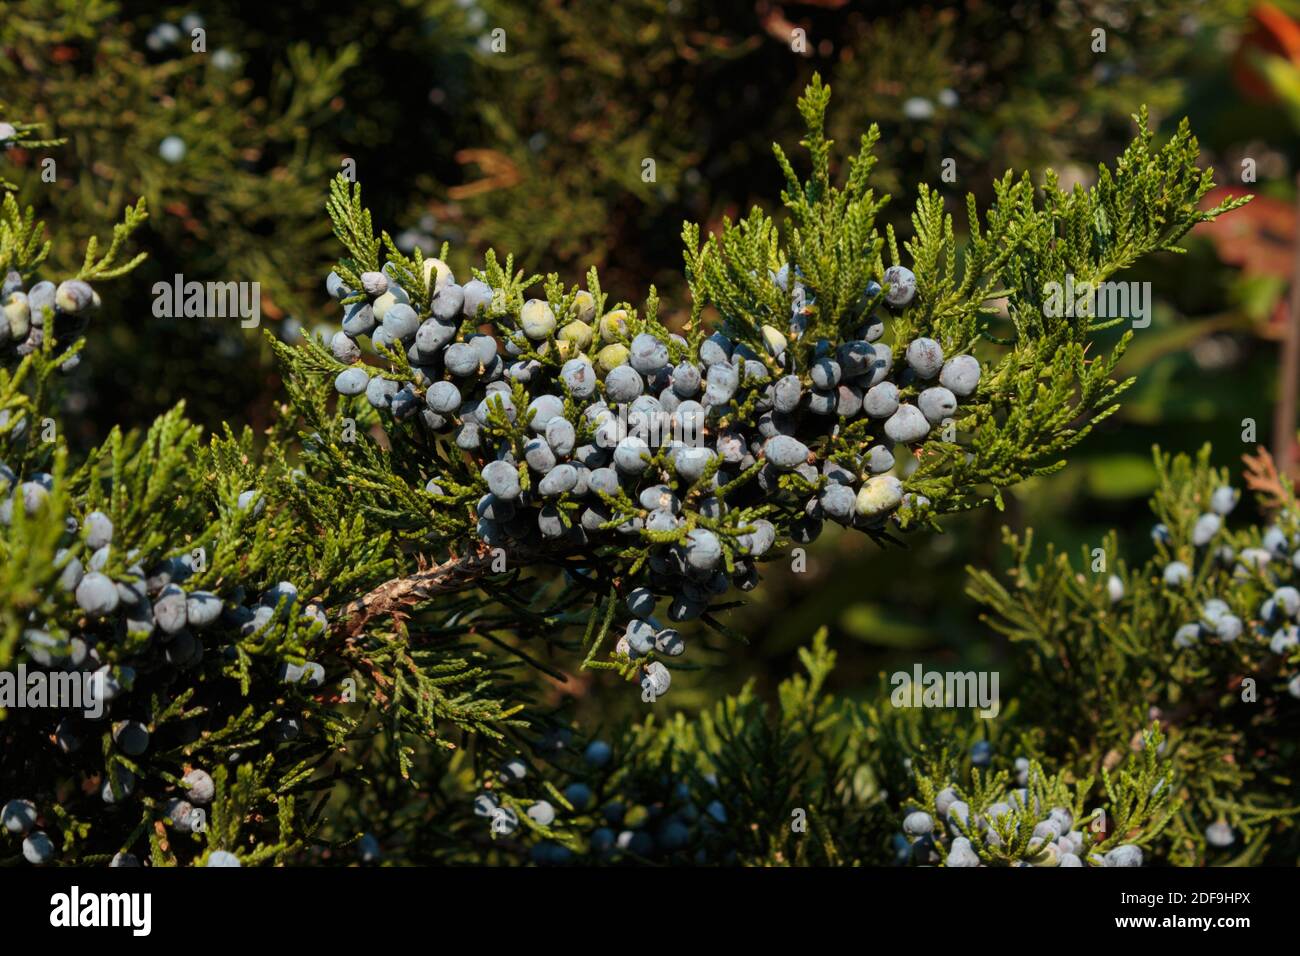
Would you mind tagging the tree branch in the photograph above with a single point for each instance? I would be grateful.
(398, 596)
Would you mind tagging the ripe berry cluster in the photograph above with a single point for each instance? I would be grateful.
(19, 816)
(587, 430)
(64, 308)
(1011, 830)
(136, 635)
(1273, 561)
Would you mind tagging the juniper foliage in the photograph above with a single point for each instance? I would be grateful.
(1035, 400)
(811, 779)
(220, 694)
(1213, 659)
(345, 651)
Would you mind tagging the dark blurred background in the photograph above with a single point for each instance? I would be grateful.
(523, 127)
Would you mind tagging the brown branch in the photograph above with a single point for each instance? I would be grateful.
(502, 173)
(1288, 389)
(397, 597)
(1263, 478)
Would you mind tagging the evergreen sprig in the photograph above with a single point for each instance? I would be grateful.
(1181, 638)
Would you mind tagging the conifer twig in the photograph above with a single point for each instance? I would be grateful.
(397, 596)
(1262, 477)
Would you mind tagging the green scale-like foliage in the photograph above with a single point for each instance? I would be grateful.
(1173, 740)
(1221, 681)
(786, 297)
(219, 697)
(809, 780)
(420, 654)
